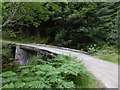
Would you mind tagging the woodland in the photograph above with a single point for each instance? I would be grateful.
(92, 27)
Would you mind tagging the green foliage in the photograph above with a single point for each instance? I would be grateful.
(8, 74)
(62, 38)
(59, 72)
(28, 17)
(86, 25)
(8, 34)
(9, 85)
(7, 57)
(105, 52)
(74, 24)
(6, 51)
(108, 53)
(78, 26)
(22, 39)
(92, 48)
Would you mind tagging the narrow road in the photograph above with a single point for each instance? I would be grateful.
(104, 71)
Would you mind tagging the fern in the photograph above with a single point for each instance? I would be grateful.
(10, 85)
(19, 84)
(53, 72)
(27, 78)
(36, 84)
(11, 79)
(59, 72)
(40, 73)
(25, 71)
(68, 84)
(8, 74)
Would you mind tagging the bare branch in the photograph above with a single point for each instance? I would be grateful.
(16, 19)
(9, 19)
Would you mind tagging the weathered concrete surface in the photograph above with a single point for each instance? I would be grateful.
(106, 72)
(22, 56)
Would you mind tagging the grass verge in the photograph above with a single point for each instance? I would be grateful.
(108, 53)
(25, 40)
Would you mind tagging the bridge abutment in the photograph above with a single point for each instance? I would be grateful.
(22, 56)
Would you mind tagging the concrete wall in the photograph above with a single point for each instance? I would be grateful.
(22, 56)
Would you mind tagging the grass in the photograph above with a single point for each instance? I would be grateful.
(23, 38)
(28, 40)
(108, 53)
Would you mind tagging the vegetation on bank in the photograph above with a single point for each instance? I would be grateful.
(60, 72)
(7, 57)
(105, 52)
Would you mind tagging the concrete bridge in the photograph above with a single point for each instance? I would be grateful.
(104, 71)
(23, 53)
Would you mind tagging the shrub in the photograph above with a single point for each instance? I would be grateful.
(7, 57)
(105, 52)
(108, 53)
(92, 48)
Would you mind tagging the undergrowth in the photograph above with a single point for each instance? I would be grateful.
(105, 52)
(60, 72)
(7, 57)
(24, 39)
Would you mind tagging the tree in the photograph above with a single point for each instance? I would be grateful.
(74, 24)
(20, 13)
(11, 14)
